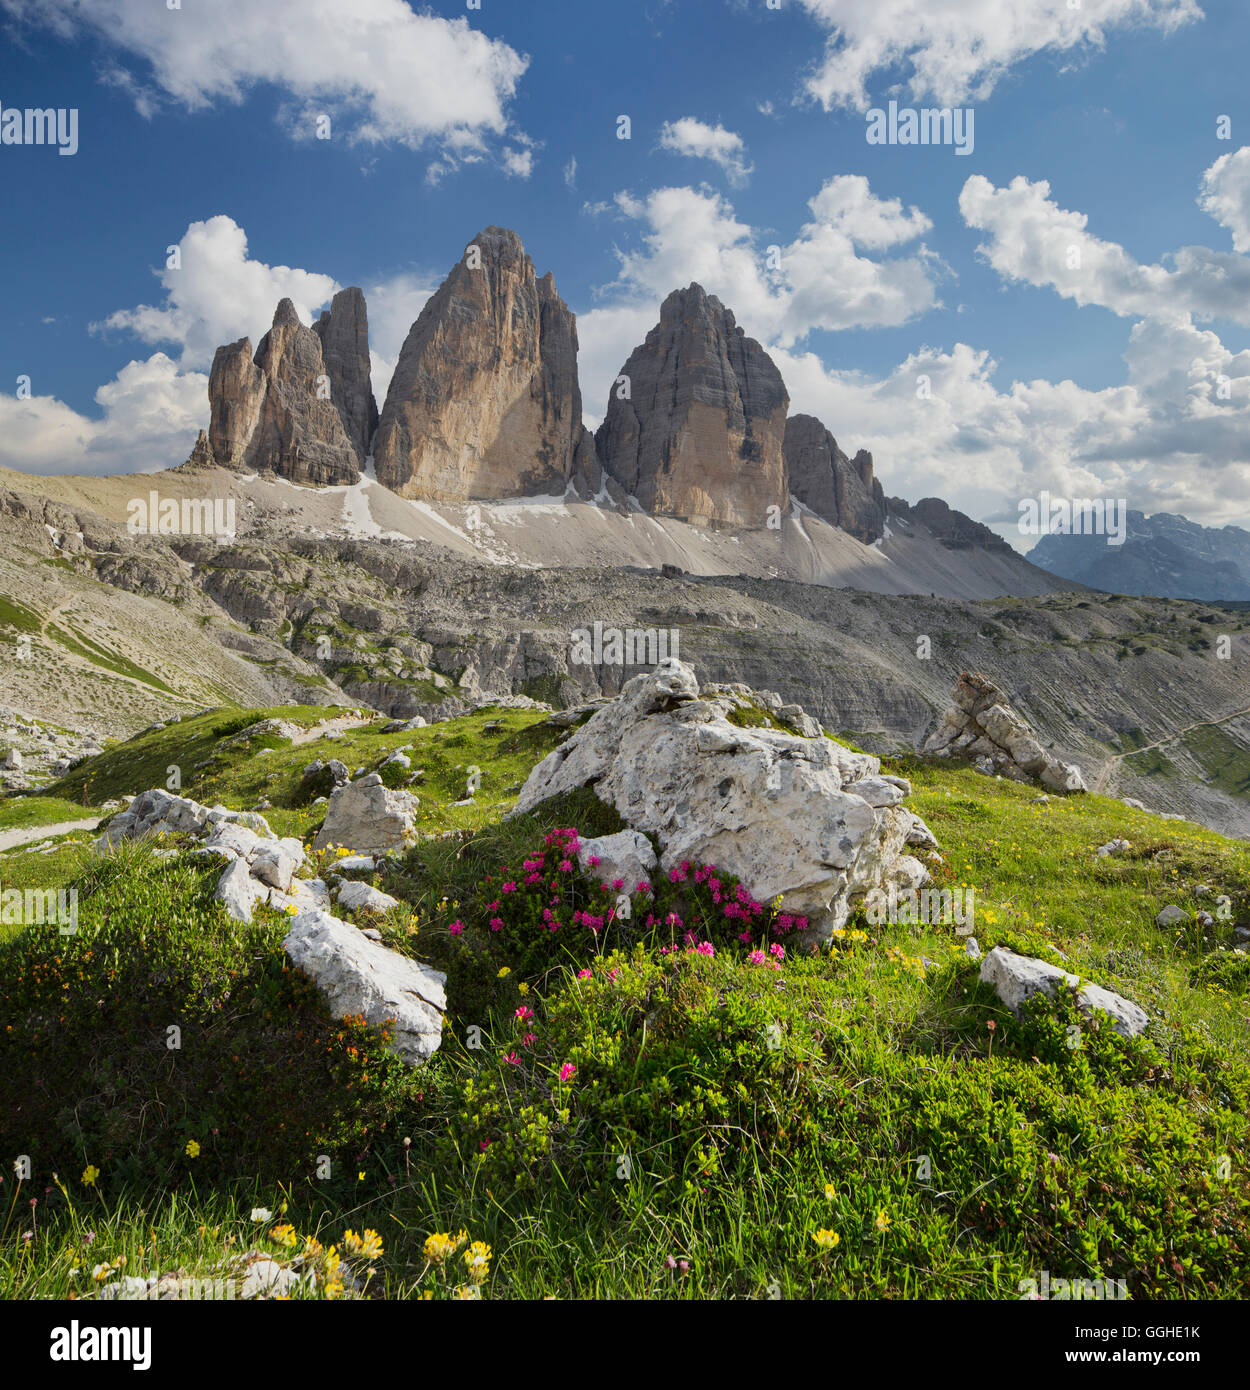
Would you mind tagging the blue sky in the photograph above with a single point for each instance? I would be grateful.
(1095, 127)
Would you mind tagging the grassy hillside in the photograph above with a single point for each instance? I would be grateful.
(641, 1119)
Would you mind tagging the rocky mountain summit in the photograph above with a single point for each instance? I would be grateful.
(344, 332)
(485, 400)
(697, 427)
(291, 411)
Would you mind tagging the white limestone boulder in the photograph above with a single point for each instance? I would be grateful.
(781, 812)
(363, 977)
(627, 856)
(237, 891)
(368, 817)
(361, 897)
(1017, 978)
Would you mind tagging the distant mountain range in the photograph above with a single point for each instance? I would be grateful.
(1163, 554)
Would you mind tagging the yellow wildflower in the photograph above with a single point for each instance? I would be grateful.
(826, 1240)
(193, 1149)
(439, 1246)
(89, 1174)
(477, 1258)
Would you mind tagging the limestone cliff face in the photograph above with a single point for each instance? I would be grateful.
(236, 393)
(277, 413)
(840, 489)
(484, 401)
(344, 333)
(701, 435)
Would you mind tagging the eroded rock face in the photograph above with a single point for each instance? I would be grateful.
(782, 812)
(842, 490)
(485, 401)
(277, 413)
(344, 333)
(702, 433)
(981, 726)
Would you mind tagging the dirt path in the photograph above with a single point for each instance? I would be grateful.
(28, 834)
(1107, 767)
(339, 725)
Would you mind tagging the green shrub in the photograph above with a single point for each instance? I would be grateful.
(262, 1079)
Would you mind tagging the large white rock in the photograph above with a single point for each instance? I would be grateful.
(238, 891)
(368, 817)
(781, 812)
(359, 976)
(1062, 777)
(1016, 978)
(627, 856)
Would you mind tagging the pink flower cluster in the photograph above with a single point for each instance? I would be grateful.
(776, 951)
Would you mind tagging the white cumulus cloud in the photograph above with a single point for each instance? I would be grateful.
(780, 292)
(380, 71)
(698, 140)
(1031, 239)
(1226, 195)
(957, 51)
(217, 294)
(151, 413)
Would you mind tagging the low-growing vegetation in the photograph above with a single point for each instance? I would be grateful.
(643, 1090)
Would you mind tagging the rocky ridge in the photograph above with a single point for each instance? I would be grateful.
(485, 404)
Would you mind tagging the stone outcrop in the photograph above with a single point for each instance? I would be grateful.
(842, 490)
(368, 817)
(701, 435)
(360, 977)
(982, 727)
(1017, 978)
(260, 867)
(344, 332)
(800, 818)
(277, 413)
(485, 400)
